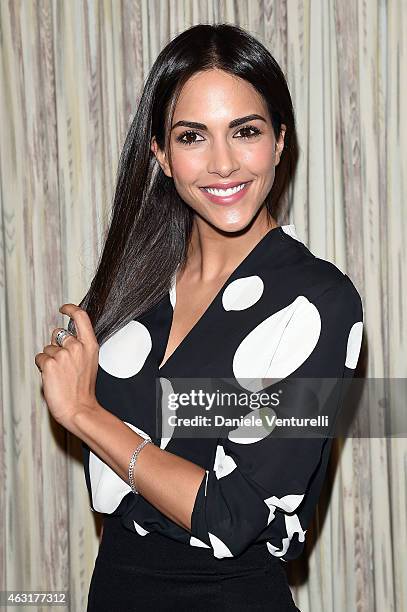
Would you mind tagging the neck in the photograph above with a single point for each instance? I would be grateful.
(214, 253)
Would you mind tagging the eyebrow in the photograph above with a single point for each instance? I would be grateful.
(232, 124)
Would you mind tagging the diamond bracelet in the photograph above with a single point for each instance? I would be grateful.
(132, 462)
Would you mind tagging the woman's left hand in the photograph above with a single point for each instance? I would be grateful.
(69, 372)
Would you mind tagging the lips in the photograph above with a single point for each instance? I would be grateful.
(218, 198)
(224, 185)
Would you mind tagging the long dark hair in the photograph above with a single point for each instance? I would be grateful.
(150, 225)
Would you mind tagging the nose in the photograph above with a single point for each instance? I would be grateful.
(222, 159)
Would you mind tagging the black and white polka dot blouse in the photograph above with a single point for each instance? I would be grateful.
(281, 316)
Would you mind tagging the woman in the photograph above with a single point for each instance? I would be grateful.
(198, 279)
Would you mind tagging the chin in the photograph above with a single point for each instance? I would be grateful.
(232, 227)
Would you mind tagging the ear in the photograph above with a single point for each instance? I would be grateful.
(280, 144)
(160, 156)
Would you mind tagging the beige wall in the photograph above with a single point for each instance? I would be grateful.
(71, 74)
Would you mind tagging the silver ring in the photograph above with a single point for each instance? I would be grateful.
(61, 335)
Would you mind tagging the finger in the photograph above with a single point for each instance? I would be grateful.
(51, 350)
(65, 341)
(82, 322)
(40, 360)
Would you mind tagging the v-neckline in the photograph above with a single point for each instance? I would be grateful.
(173, 291)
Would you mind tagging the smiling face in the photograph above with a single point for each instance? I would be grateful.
(222, 136)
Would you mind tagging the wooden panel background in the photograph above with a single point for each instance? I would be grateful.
(71, 74)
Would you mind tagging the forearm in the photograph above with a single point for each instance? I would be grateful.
(167, 481)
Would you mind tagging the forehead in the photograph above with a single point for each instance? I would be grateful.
(215, 96)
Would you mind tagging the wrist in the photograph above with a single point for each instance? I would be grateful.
(84, 414)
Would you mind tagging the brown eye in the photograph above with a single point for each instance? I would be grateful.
(246, 128)
(188, 136)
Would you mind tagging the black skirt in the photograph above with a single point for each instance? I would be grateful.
(153, 572)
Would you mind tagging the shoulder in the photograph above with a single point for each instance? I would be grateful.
(302, 267)
(327, 277)
(334, 290)
(295, 271)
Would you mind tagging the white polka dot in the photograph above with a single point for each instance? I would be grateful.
(196, 542)
(124, 354)
(242, 293)
(273, 550)
(354, 344)
(224, 464)
(278, 345)
(249, 434)
(287, 503)
(206, 480)
(292, 525)
(107, 488)
(167, 428)
(140, 530)
(140, 432)
(290, 230)
(173, 296)
(220, 550)
(173, 288)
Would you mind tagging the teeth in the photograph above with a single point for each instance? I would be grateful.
(225, 192)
